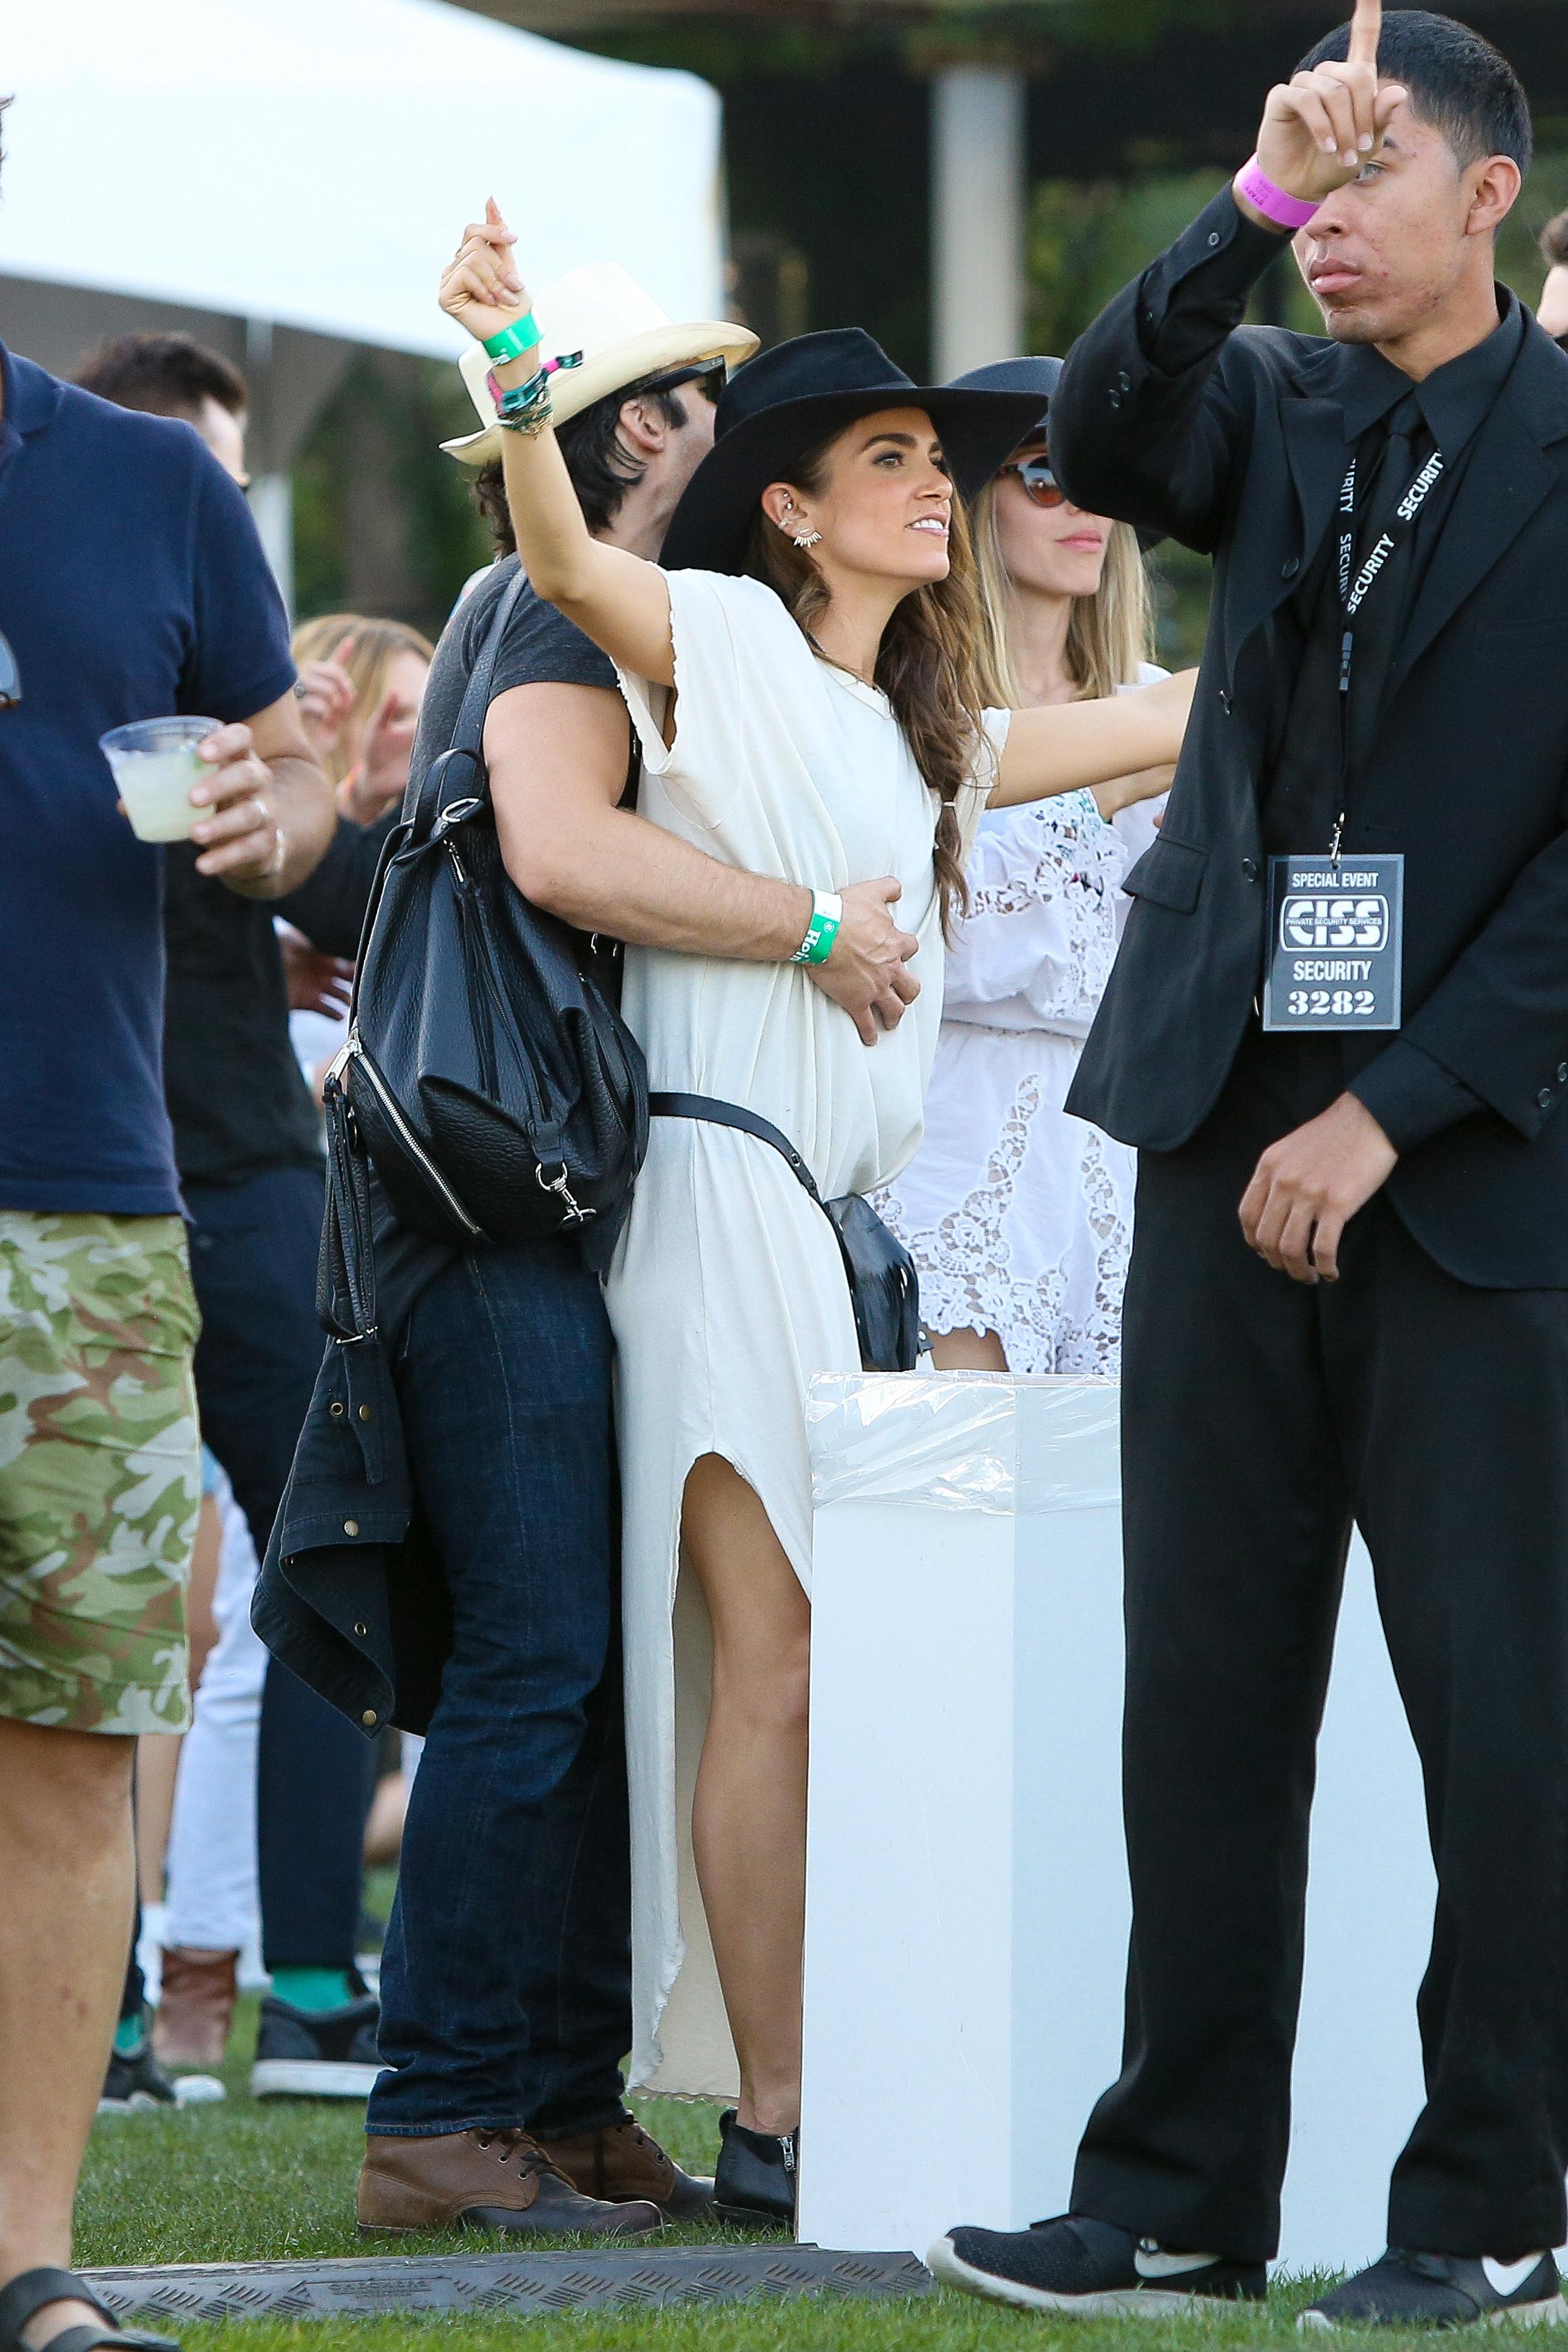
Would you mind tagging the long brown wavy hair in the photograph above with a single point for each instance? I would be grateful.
(926, 663)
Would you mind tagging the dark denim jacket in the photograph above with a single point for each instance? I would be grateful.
(351, 1596)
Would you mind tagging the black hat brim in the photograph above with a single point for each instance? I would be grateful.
(979, 431)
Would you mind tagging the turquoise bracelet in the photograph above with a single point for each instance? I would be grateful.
(515, 341)
(827, 914)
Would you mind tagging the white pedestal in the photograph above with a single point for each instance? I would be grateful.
(967, 1906)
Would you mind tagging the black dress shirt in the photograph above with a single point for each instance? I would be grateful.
(237, 1096)
(1300, 787)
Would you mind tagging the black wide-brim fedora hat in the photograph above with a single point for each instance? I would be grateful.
(788, 400)
(1038, 377)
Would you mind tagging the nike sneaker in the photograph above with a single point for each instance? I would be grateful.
(1076, 2265)
(1405, 2289)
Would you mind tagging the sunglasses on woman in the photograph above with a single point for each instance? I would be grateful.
(10, 678)
(1040, 485)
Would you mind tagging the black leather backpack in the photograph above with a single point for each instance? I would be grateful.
(488, 1075)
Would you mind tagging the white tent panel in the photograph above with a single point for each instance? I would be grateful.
(312, 162)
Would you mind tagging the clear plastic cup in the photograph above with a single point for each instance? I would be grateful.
(155, 763)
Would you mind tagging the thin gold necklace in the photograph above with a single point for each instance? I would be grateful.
(823, 655)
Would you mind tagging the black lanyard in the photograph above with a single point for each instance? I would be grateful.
(1356, 584)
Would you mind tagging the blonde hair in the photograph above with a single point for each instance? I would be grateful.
(376, 646)
(1110, 634)
(926, 663)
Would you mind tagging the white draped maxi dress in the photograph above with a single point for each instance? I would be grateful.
(727, 1292)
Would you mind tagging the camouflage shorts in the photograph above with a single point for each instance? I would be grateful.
(100, 1470)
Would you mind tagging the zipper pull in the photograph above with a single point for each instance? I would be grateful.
(342, 1057)
(1335, 843)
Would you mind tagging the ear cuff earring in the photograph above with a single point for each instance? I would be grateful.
(803, 538)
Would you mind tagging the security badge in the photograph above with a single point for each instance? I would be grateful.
(1336, 935)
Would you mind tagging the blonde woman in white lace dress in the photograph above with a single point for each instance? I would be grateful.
(1018, 1216)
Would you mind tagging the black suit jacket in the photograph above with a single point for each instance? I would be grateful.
(1239, 451)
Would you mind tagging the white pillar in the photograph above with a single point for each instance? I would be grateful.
(979, 195)
(272, 499)
(272, 504)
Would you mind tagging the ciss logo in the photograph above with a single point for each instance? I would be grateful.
(1326, 919)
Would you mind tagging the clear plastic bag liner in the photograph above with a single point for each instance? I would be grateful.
(965, 1441)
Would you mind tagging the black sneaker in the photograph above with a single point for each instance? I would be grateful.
(1404, 2289)
(327, 2054)
(135, 2084)
(1074, 2264)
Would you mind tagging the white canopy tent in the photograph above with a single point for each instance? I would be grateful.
(285, 178)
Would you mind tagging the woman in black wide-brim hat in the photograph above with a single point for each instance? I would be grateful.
(800, 669)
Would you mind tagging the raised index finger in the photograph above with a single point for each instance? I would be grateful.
(1366, 30)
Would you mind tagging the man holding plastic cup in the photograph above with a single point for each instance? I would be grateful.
(134, 587)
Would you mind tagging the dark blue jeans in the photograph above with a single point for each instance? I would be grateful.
(253, 1261)
(506, 1979)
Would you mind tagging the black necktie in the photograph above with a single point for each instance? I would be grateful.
(1380, 622)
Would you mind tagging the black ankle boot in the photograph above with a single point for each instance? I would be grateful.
(753, 2187)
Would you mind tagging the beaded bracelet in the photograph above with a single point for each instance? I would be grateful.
(526, 408)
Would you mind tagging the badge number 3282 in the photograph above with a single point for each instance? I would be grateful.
(1335, 932)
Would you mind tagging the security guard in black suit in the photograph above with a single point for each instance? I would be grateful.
(1348, 1301)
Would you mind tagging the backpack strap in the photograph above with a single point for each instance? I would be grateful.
(462, 760)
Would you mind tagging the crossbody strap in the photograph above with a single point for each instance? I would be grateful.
(722, 1114)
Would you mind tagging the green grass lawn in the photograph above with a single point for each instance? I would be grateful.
(248, 2181)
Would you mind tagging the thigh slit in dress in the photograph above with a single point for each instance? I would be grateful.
(727, 1293)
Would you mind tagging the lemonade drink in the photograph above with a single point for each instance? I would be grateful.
(155, 764)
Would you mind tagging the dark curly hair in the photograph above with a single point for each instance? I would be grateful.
(602, 468)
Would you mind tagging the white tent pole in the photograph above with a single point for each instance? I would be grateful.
(978, 190)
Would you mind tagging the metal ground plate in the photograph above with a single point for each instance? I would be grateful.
(634, 2279)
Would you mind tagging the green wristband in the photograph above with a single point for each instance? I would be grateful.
(827, 914)
(515, 341)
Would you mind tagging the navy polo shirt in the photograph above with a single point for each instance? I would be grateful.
(133, 584)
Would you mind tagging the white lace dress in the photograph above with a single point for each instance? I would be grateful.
(1018, 1216)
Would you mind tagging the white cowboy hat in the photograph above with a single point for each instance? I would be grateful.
(623, 335)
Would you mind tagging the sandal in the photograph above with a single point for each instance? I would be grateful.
(31, 2290)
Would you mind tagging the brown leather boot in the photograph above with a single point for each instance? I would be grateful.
(196, 2008)
(483, 2180)
(621, 2162)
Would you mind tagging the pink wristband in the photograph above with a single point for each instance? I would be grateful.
(1285, 211)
